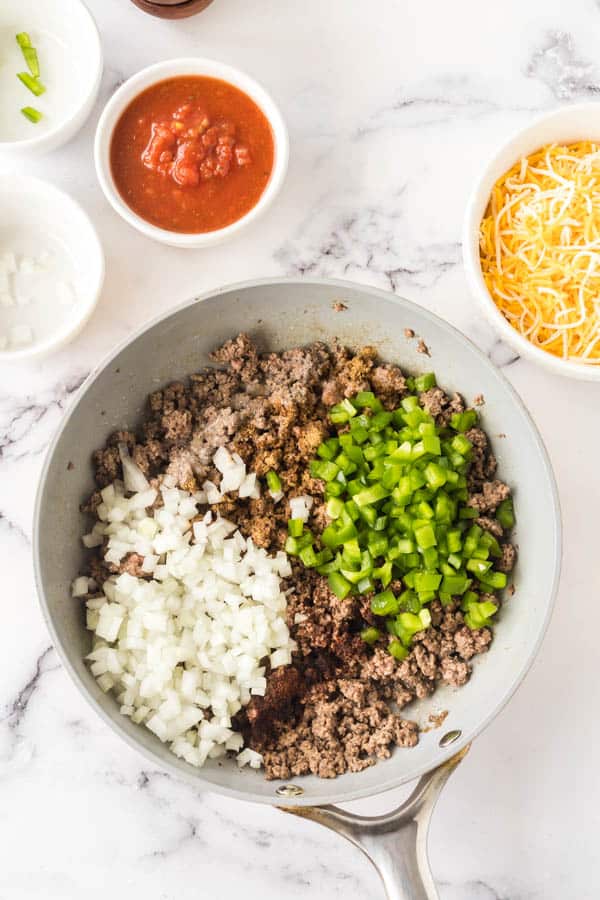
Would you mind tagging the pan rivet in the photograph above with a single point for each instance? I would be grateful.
(449, 738)
(289, 790)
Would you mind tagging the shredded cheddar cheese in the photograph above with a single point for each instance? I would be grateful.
(540, 249)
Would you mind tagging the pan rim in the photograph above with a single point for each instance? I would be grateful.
(194, 777)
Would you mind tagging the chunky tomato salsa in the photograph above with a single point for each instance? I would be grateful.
(192, 154)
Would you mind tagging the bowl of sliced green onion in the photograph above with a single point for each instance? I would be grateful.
(50, 70)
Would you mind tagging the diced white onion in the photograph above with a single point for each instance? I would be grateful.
(300, 507)
(222, 460)
(133, 477)
(213, 494)
(249, 486)
(249, 757)
(80, 586)
(184, 646)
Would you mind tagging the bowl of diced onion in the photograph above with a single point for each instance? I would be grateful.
(531, 241)
(51, 268)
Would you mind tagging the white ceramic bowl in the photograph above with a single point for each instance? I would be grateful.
(36, 216)
(169, 69)
(70, 56)
(563, 125)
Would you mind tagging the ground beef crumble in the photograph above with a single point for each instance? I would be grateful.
(338, 707)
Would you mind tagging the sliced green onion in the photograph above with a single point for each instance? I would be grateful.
(29, 53)
(31, 58)
(33, 84)
(32, 114)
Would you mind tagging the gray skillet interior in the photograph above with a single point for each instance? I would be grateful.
(280, 314)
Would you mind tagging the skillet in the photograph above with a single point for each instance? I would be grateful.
(281, 313)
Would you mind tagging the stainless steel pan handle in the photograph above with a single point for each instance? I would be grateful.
(396, 843)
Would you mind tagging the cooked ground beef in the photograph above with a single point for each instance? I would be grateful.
(509, 556)
(337, 708)
(343, 699)
(492, 525)
(491, 496)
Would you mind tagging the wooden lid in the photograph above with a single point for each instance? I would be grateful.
(172, 9)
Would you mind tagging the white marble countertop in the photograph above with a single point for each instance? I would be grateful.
(391, 106)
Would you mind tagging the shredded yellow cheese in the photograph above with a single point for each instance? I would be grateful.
(540, 249)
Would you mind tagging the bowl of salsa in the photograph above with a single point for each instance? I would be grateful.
(190, 151)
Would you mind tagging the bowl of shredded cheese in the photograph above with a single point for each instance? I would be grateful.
(532, 241)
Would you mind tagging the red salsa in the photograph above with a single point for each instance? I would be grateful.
(192, 154)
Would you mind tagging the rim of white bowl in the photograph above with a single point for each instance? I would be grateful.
(49, 136)
(171, 68)
(70, 329)
(496, 165)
